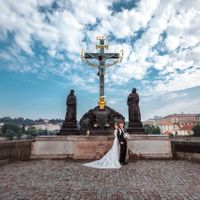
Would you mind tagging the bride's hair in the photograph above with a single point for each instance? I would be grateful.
(116, 125)
(119, 122)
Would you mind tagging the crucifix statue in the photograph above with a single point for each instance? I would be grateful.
(101, 57)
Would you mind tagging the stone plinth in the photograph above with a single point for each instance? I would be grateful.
(100, 121)
(149, 146)
(75, 147)
(94, 147)
(52, 147)
(106, 131)
(68, 129)
(136, 128)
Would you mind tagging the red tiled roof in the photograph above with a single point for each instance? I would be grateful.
(181, 115)
(167, 132)
(186, 127)
(166, 123)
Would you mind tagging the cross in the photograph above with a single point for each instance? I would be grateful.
(101, 57)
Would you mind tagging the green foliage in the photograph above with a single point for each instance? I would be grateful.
(10, 134)
(10, 126)
(19, 121)
(55, 121)
(27, 122)
(10, 130)
(33, 132)
(150, 129)
(196, 130)
(171, 135)
(23, 129)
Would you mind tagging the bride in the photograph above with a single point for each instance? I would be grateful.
(110, 159)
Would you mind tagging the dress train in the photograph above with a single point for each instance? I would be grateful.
(110, 160)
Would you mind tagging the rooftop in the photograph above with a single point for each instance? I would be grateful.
(182, 115)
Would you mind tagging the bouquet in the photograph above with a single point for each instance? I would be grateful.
(126, 135)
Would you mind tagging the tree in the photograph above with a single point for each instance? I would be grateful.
(10, 134)
(10, 130)
(151, 129)
(32, 131)
(10, 126)
(23, 128)
(196, 130)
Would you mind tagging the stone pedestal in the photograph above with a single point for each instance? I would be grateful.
(105, 131)
(71, 146)
(69, 129)
(94, 147)
(149, 147)
(100, 121)
(136, 128)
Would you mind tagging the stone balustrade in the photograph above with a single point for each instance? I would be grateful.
(186, 149)
(15, 150)
(94, 147)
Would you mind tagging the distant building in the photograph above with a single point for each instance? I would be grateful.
(182, 119)
(176, 124)
(175, 129)
(47, 126)
(46, 120)
(154, 121)
(167, 127)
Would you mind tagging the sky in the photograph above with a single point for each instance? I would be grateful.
(41, 40)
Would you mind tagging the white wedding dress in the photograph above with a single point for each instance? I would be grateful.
(110, 159)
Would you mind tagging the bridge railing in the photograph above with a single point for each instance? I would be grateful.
(188, 149)
(15, 150)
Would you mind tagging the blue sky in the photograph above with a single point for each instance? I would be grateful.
(40, 43)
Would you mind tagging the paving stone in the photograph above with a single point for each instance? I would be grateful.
(141, 180)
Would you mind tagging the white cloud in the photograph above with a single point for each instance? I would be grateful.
(125, 23)
(179, 107)
(82, 84)
(65, 28)
(177, 82)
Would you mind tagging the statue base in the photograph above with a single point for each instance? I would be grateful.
(99, 121)
(100, 131)
(136, 128)
(94, 147)
(68, 129)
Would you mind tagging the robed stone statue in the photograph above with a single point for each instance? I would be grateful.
(71, 104)
(134, 125)
(69, 126)
(133, 106)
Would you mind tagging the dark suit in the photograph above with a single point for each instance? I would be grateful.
(123, 146)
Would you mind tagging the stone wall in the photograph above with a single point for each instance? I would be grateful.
(73, 147)
(15, 150)
(149, 147)
(189, 150)
(94, 147)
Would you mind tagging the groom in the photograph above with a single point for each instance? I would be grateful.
(122, 142)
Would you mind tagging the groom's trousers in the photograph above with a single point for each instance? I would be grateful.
(122, 155)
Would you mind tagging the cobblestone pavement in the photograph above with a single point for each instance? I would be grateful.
(53, 179)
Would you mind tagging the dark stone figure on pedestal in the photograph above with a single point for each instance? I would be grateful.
(133, 107)
(71, 108)
(135, 125)
(69, 126)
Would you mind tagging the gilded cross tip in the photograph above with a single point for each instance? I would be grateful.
(102, 37)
